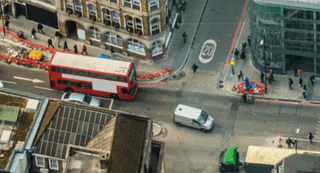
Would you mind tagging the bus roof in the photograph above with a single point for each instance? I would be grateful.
(270, 156)
(90, 63)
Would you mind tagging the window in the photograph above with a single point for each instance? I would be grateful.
(106, 14)
(136, 46)
(94, 34)
(155, 26)
(53, 164)
(67, 71)
(55, 69)
(40, 162)
(97, 75)
(129, 21)
(92, 10)
(114, 1)
(153, 5)
(136, 4)
(66, 82)
(113, 39)
(138, 24)
(110, 77)
(83, 85)
(122, 79)
(78, 5)
(156, 48)
(115, 17)
(127, 3)
(80, 73)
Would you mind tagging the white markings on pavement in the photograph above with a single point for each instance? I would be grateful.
(111, 103)
(207, 51)
(44, 88)
(27, 79)
(4, 81)
(297, 130)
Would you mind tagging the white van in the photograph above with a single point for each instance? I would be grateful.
(193, 117)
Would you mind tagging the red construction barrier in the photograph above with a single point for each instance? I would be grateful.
(259, 89)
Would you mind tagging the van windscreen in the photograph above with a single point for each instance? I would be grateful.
(203, 117)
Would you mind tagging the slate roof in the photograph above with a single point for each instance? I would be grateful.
(69, 125)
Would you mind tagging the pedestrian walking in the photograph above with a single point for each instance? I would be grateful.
(84, 49)
(50, 43)
(75, 49)
(56, 35)
(240, 76)
(290, 83)
(236, 53)
(33, 33)
(262, 77)
(249, 41)
(244, 97)
(112, 52)
(58, 41)
(65, 45)
(194, 68)
(271, 78)
(243, 47)
(295, 71)
(243, 56)
(6, 24)
(310, 137)
(289, 141)
(40, 27)
(300, 81)
(304, 92)
(184, 6)
(312, 79)
(299, 71)
(185, 36)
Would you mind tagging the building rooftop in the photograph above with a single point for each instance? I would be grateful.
(68, 124)
(311, 4)
(301, 163)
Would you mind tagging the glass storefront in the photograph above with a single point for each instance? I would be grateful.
(287, 33)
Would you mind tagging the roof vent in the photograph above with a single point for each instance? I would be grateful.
(180, 109)
(5, 136)
(104, 156)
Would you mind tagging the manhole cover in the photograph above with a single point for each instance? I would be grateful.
(156, 129)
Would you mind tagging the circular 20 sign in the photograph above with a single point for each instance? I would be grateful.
(207, 51)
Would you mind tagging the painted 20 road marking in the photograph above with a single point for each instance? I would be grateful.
(207, 51)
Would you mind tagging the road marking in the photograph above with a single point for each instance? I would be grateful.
(207, 51)
(4, 81)
(27, 79)
(111, 104)
(297, 130)
(44, 88)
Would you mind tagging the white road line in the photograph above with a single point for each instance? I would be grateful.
(111, 103)
(4, 81)
(44, 88)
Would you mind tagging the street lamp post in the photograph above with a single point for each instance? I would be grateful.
(265, 61)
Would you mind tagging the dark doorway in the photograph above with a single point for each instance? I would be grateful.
(20, 9)
(72, 30)
(8, 9)
(42, 16)
(306, 63)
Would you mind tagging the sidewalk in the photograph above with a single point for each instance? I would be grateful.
(278, 89)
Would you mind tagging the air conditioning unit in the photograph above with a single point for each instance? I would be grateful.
(281, 169)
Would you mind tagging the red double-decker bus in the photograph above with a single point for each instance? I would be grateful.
(93, 76)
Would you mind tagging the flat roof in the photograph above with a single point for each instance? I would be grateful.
(311, 4)
(90, 63)
(187, 111)
(9, 113)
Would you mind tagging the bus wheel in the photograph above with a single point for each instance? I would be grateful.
(114, 96)
(202, 130)
(68, 90)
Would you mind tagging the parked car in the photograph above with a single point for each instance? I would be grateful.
(81, 99)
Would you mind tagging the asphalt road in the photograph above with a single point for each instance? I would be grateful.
(189, 150)
(219, 23)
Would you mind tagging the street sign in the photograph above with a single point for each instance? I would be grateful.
(207, 51)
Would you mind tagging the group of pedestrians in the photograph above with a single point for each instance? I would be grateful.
(292, 142)
(298, 73)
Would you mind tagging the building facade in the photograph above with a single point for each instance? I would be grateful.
(290, 33)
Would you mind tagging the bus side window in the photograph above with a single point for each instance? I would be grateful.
(88, 74)
(66, 82)
(55, 69)
(110, 77)
(122, 79)
(97, 75)
(59, 81)
(67, 71)
(52, 84)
